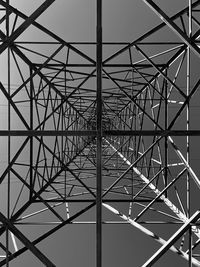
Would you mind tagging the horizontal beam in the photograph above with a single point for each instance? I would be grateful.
(92, 200)
(121, 65)
(105, 133)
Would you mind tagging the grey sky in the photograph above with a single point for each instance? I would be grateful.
(75, 20)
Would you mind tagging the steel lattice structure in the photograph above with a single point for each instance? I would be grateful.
(113, 134)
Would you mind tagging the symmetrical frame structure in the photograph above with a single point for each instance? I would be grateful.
(81, 133)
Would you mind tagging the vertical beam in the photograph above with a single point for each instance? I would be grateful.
(99, 135)
(190, 43)
(166, 126)
(9, 128)
(188, 127)
(31, 138)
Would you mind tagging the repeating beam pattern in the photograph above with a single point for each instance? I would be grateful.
(83, 133)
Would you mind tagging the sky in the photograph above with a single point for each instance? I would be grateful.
(75, 21)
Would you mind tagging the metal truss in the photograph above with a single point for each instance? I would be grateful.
(82, 133)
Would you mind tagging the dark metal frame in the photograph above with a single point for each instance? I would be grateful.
(99, 132)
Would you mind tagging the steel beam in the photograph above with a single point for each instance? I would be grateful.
(163, 16)
(48, 32)
(149, 33)
(172, 240)
(99, 134)
(25, 25)
(29, 245)
(35, 133)
(47, 234)
(151, 234)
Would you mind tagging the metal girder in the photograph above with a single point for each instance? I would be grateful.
(29, 245)
(8, 42)
(173, 26)
(151, 234)
(47, 234)
(149, 33)
(104, 133)
(172, 240)
(98, 131)
(99, 135)
(60, 40)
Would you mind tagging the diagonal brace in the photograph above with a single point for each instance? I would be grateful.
(25, 25)
(172, 240)
(173, 26)
(28, 244)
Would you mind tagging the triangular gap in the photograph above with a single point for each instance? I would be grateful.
(21, 166)
(51, 101)
(44, 36)
(39, 53)
(162, 35)
(177, 73)
(177, 7)
(83, 85)
(62, 76)
(14, 245)
(33, 35)
(147, 111)
(183, 242)
(111, 48)
(78, 175)
(111, 89)
(44, 102)
(20, 78)
(50, 115)
(158, 53)
(77, 115)
(47, 160)
(177, 149)
(38, 213)
(176, 102)
(131, 79)
(19, 117)
(118, 149)
(14, 21)
(83, 170)
(196, 23)
(77, 59)
(141, 78)
(171, 72)
(122, 156)
(20, 185)
(73, 81)
(116, 104)
(156, 102)
(142, 107)
(3, 21)
(18, 145)
(183, 23)
(88, 49)
(87, 110)
(18, 74)
(27, 10)
(127, 57)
